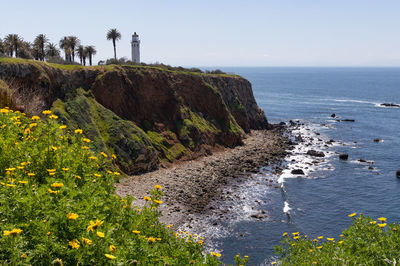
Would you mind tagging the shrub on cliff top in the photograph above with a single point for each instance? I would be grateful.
(365, 242)
(58, 204)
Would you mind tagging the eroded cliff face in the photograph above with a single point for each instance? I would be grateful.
(144, 115)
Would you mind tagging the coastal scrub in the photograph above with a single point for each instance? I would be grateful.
(58, 203)
(365, 242)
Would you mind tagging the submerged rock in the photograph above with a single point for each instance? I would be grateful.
(343, 156)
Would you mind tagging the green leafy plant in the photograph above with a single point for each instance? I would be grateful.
(365, 242)
(58, 204)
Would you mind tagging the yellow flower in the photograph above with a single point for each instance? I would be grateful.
(52, 173)
(382, 225)
(353, 214)
(315, 240)
(147, 198)
(215, 254)
(13, 232)
(310, 250)
(93, 158)
(57, 185)
(158, 201)
(66, 169)
(62, 127)
(342, 235)
(157, 187)
(86, 140)
(138, 210)
(319, 247)
(94, 225)
(373, 222)
(24, 256)
(320, 237)
(53, 117)
(97, 175)
(74, 243)
(109, 256)
(273, 263)
(72, 216)
(104, 154)
(295, 233)
(52, 191)
(136, 232)
(78, 131)
(46, 112)
(284, 234)
(3, 111)
(85, 147)
(296, 237)
(113, 248)
(87, 241)
(10, 185)
(27, 131)
(51, 170)
(113, 156)
(100, 234)
(35, 117)
(31, 174)
(382, 219)
(23, 182)
(116, 173)
(78, 177)
(170, 225)
(33, 125)
(10, 169)
(340, 242)
(330, 238)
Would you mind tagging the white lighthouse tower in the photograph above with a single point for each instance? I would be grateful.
(135, 48)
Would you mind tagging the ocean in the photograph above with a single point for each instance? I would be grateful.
(318, 202)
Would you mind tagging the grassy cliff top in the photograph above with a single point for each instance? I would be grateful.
(11, 60)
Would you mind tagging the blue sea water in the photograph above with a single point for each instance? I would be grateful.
(319, 202)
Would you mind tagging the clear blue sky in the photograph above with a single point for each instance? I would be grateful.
(222, 32)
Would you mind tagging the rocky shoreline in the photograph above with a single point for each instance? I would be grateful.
(190, 186)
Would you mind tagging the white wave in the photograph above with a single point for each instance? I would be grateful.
(355, 101)
(286, 208)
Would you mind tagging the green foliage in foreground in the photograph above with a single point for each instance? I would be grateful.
(365, 242)
(58, 204)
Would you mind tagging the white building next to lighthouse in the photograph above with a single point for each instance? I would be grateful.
(135, 48)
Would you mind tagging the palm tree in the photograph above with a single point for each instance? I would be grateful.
(114, 35)
(25, 50)
(91, 51)
(80, 51)
(64, 44)
(73, 43)
(40, 42)
(13, 41)
(51, 51)
(2, 50)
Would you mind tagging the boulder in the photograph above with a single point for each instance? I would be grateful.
(315, 153)
(398, 173)
(377, 140)
(333, 115)
(343, 156)
(297, 172)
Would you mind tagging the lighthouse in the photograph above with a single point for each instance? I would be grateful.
(135, 48)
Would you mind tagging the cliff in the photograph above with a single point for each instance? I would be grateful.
(145, 115)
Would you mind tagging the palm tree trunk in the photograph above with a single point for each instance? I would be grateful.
(115, 50)
(90, 59)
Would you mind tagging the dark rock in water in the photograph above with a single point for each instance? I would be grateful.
(370, 168)
(347, 120)
(361, 160)
(377, 140)
(316, 153)
(390, 105)
(333, 115)
(398, 173)
(343, 156)
(297, 172)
